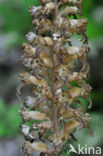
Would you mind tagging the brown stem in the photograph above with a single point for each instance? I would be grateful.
(54, 107)
(56, 9)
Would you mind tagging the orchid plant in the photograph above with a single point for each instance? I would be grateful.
(51, 60)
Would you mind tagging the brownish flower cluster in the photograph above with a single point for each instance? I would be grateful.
(55, 105)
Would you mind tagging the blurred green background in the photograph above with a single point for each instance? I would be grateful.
(15, 22)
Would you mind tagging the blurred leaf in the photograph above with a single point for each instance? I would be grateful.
(87, 7)
(84, 137)
(16, 18)
(97, 96)
(31, 3)
(9, 119)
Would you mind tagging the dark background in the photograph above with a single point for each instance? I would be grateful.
(15, 22)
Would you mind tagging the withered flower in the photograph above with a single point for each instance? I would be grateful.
(69, 11)
(36, 146)
(50, 59)
(27, 115)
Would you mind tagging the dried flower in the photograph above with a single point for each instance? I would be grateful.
(36, 146)
(50, 59)
(27, 115)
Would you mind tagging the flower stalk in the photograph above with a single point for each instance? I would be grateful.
(55, 107)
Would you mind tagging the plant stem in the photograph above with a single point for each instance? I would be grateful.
(54, 107)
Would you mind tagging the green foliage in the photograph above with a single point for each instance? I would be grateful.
(9, 119)
(94, 29)
(16, 19)
(16, 16)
